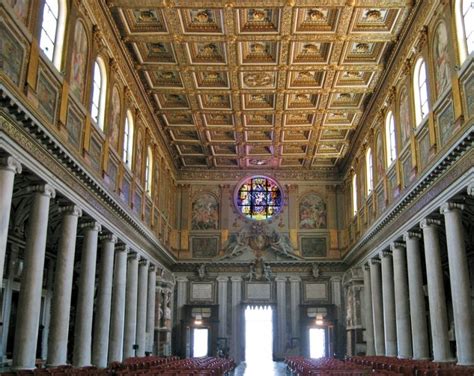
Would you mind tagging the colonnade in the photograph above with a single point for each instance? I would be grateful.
(395, 298)
(124, 320)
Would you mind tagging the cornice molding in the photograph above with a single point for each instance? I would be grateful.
(33, 137)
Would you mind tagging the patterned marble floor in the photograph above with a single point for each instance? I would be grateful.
(261, 369)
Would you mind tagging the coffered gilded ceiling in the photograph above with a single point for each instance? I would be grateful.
(259, 84)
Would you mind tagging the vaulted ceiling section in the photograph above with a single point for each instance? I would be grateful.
(259, 84)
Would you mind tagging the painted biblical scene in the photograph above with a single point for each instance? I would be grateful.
(441, 58)
(114, 119)
(312, 212)
(205, 213)
(78, 61)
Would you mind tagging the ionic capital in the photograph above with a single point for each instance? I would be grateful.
(143, 262)
(450, 206)
(132, 255)
(43, 189)
(151, 268)
(411, 235)
(10, 164)
(430, 222)
(71, 209)
(91, 225)
(110, 238)
(222, 279)
(235, 279)
(386, 253)
(396, 245)
(374, 261)
(122, 247)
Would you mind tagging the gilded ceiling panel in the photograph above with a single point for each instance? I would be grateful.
(254, 83)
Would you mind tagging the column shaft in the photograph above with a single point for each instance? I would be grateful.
(141, 306)
(61, 302)
(390, 330)
(150, 308)
(8, 168)
(281, 315)
(104, 299)
(235, 338)
(131, 306)
(181, 290)
(460, 284)
(222, 300)
(85, 297)
(29, 304)
(295, 283)
(369, 321)
(421, 348)
(377, 306)
(118, 304)
(402, 308)
(436, 295)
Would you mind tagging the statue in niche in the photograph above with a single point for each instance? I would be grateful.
(315, 271)
(167, 313)
(201, 271)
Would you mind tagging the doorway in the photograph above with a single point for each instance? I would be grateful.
(200, 342)
(317, 342)
(258, 334)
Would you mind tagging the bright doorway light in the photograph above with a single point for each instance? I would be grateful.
(317, 343)
(200, 338)
(258, 335)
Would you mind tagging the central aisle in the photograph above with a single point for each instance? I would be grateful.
(261, 369)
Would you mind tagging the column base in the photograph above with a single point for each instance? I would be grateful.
(465, 364)
(452, 360)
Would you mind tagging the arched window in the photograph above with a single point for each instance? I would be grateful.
(390, 139)
(128, 140)
(52, 30)
(99, 88)
(369, 168)
(354, 194)
(420, 88)
(465, 27)
(148, 170)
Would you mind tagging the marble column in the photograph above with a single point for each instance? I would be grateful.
(29, 303)
(369, 320)
(181, 299)
(85, 297)
(388, 296)
(150, 308)
(118, 304)
(236, 336)
(295, 283)
(141, 306)
(61, 302)
(222, 282)
(416, 294)
(402, 308)
(131, 306)
(8, 168)
(100, 345)
(460, 283)
(377, 305)
(281, 315)
(436, 294)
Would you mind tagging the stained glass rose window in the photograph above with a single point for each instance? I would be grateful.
(258, 197)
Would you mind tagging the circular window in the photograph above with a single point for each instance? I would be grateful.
(258, 198)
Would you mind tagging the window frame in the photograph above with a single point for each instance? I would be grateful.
(127, 145)
(102, 95)
(462, 38)
(369, 165)
(149, 170)
(420, 116)
(57, 40)
(354, 195)
(390, 139)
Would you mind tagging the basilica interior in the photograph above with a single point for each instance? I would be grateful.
(188, 177)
